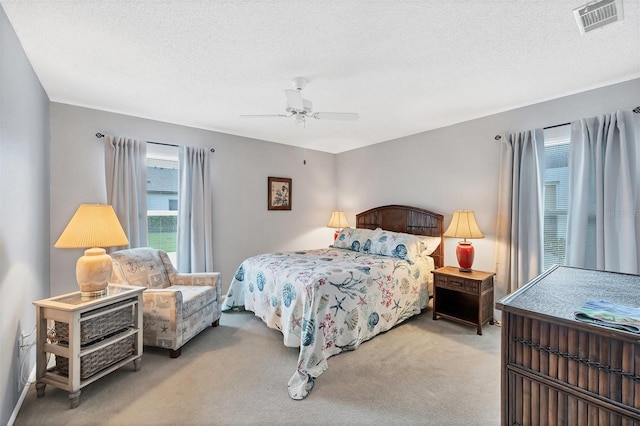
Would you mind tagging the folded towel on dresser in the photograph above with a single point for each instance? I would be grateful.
(610, 314)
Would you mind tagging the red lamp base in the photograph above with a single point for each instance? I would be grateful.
(335, 234)
(465, 252)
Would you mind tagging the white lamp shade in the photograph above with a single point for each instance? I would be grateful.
(93, 225)
(463, 225)
(338, 220)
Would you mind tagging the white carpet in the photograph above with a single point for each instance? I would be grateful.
(421, 372)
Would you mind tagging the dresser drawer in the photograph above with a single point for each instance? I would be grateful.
(457, 284)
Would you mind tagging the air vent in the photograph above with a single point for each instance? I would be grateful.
(598, 14)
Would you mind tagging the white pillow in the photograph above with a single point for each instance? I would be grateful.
(430, 244)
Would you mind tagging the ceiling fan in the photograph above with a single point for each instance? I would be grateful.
(302, 109)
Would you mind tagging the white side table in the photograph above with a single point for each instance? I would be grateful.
(96, 336)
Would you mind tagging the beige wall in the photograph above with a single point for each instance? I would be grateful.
(24, 211)
(446, 169)
(243, 226)
(456, 167)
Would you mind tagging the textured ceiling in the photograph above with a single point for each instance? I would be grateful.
(404, 66)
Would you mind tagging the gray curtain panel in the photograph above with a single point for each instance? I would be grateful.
(195, 210)
(520, 226)
(603, 229)
(126, 178)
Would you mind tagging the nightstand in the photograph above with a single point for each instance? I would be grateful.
(466, 297)
(93, 337)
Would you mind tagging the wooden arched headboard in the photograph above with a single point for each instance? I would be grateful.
(410, 220)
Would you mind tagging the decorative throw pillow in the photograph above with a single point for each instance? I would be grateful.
(430, 244)
(352, 239)
(403, 246)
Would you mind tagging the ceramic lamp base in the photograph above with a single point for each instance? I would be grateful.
(465, 253)
(93, 271)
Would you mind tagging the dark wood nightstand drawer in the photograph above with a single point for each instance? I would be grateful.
(457, 284)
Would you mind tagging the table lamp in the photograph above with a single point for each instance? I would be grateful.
(463, 225)
(338, 221)
(93, 226)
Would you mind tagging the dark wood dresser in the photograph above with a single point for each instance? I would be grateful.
(558, 370)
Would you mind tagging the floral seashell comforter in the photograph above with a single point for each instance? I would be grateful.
(328, 301)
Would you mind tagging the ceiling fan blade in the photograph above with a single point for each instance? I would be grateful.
(343, 116)
(263, 115)
(294, 99)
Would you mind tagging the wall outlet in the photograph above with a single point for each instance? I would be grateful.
(26, 340)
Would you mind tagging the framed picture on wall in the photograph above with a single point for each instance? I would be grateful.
(279, 193)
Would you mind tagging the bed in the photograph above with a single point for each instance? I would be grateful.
(327, 301)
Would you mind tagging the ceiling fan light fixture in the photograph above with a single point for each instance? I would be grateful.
(299, 83)
(303, 108)
(308, 106)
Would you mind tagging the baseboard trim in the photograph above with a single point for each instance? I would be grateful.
(23, 395)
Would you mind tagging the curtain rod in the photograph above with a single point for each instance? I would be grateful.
(498, 137)
(100, 135)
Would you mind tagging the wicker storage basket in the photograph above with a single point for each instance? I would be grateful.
(100, 359)
(95, 328)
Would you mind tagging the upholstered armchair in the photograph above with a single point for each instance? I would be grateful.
(176, 306)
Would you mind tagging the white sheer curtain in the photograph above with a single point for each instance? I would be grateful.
(602, 221)
(520, 210)
(126, 177)
(195, 210)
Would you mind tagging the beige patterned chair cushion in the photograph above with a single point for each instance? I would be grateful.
(140, 266)
(194, 298)
(176, 306)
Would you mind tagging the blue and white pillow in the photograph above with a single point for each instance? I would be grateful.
(353, 239)
(402, 246)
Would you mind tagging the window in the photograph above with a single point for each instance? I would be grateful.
(162, 198)
(556, 194)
